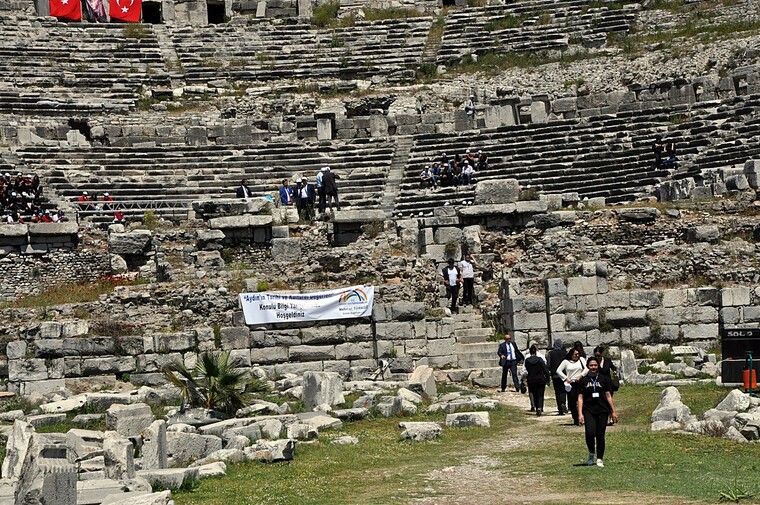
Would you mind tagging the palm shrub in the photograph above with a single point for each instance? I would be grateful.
(215, 382)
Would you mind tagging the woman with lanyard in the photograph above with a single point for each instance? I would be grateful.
(572, 368)
(595, 405)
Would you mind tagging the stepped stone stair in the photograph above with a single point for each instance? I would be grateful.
(475, 351)
(396, 173)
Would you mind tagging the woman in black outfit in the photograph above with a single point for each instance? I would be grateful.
(595, 405)
(538, 376)
(606, 366)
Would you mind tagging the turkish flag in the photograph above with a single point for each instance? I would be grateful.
(125, 10)
(68, 9)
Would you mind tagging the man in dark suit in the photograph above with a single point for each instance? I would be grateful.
(243, 191)
(509, 357)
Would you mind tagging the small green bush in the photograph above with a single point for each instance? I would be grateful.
(325, 14)
(150, 220)
(503, 23)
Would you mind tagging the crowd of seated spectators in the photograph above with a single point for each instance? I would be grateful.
(459, 171)
(105, 204)
(21, 199)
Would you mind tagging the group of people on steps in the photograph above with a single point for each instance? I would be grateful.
(583, 386)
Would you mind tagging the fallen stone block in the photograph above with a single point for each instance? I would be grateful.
(420, 431)
(422, 381)
(322, 387)
(129, 420)
(345, 440)
(216, 469)
(467, 419)
(270, 452)
(139, 498)
(169, 478)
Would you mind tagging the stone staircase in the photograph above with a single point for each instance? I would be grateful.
(475, 351)
(396, 172)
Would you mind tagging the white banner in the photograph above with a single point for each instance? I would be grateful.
(271, 307)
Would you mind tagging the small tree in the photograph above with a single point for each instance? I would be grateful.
(216, 382)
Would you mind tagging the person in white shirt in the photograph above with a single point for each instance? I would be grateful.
(467, 268)
(571, 370)
(452, 279)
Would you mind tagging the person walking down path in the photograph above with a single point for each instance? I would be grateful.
(553, 360)
(452, 279)
(509, 357)
(595, 405)
(571, 370)
(467, 267)
(538, 376)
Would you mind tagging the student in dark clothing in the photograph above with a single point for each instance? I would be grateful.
(606, 366)
(331, 189)
(538, 376)
(595, 405)
(553, 359)
(657, 149)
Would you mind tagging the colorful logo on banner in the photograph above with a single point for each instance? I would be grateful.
(353, 296)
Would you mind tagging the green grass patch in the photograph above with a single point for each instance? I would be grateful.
(73, 293)
(683, 467)
(391, 13)
(503, 23)
(325, 14)
(381, 469)
(644, 467)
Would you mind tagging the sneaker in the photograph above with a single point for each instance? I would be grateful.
(600, 463)
(590, 460)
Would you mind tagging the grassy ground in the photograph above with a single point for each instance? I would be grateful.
(643, 467)
(380, 469)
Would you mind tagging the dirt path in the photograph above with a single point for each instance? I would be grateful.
(482, 479)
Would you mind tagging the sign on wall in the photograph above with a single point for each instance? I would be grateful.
(273, 307)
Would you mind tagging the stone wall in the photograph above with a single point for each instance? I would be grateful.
(582, 308)
(43, 356)
(25, 274)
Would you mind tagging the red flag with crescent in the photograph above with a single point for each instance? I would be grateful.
(126, 10)
(67, 9)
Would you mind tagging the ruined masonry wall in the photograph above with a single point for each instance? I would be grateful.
(49, 354)
(28, 274)
(582, 309)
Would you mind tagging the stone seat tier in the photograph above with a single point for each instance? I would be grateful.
(173, 172)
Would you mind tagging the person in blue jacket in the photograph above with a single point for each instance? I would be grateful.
(286, 194)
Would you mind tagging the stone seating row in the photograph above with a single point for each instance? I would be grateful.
(183, 172)
(78, 57)
(299, 51)
(543, 26)
(607, 156)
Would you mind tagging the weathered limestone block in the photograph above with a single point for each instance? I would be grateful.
(27, 369)
(735, 400)
(311, 352)
(16, 449)
(389, 406)
(735, 296)
(236, 337)
(422, 381)
(118, 455)
(322, 388)
(187, 447)
(671, 408)
(351, 351)
(638, 214)
(169, 478)
(466, 419)
(496, 192)
(154, 448)
(705, 233)
(269, 355)
(137, 242)
(273, 451)
(420, 431)
(581, 286)
(286, 250)
(129, 420)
